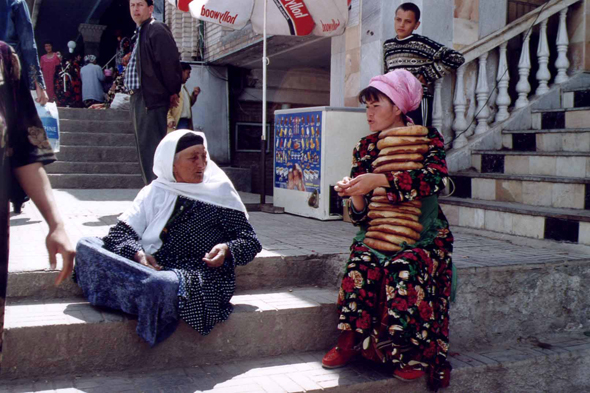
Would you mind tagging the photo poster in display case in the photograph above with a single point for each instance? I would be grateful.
(298, 151)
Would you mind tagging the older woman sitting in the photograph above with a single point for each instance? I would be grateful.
(173, 253)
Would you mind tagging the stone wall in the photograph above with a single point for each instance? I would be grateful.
(221, 41)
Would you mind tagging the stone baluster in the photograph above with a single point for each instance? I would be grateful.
(562, 63)
(523, 87)
(437, 110)
(460, 105)
(503, 79)
(543, 74)
(481, 93)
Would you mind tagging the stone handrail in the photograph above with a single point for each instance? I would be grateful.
(515, 28)
(480, 50)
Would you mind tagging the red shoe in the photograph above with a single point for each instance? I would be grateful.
(408, 374)
(338, 357)
(343, 353)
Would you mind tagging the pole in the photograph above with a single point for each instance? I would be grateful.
(263, 136)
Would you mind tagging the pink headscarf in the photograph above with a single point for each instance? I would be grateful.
(401, 87)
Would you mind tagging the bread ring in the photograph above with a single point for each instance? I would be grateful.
(380, 245)
(383, 199)
(379, 191)
(416, 226)
(374, 214)
(391, 141)
(420, 149)
(406, 157)
(398, 166)
(404, 131)
(396, 230)
(388, 237)
(395, 208)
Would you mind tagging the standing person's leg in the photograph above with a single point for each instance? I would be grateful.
(184, 124)
(150, 129)
(4, 242)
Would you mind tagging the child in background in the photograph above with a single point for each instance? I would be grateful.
(426, 59)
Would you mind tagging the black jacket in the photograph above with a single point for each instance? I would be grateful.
(159, 65)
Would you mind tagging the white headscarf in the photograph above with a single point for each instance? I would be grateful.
(154, 204)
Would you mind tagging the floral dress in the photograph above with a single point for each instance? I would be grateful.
(399, 302)
(68, 85)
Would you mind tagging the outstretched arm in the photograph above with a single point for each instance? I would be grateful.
(35, 183)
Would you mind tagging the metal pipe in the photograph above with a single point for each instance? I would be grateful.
(263, 134)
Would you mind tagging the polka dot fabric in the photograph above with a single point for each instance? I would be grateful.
(193, 229)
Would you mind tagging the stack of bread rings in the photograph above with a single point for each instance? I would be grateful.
(390, 225)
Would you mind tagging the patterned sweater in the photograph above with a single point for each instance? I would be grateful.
(421, 56)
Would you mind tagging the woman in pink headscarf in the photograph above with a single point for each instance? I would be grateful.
(394, 304)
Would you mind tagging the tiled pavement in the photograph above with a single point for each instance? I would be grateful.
(91, 212)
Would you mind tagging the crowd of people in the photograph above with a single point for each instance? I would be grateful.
(172, 255)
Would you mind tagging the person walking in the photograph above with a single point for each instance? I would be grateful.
(49, 63)
(16, 29)
(24, 151)
(92, 78)
(153, 79)
(181, 116)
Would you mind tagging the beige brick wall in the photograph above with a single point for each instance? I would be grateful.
(185, 30)
(220, 42)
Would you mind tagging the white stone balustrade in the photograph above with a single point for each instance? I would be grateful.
(503, 80)
(481, 92)
(523, 87)
(461, 126)
(543, 74)
(460, 103)
(562, 63)
(437, 110)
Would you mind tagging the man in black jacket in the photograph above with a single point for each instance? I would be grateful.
(153, 78)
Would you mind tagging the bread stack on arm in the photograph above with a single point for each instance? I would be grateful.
(390, 225)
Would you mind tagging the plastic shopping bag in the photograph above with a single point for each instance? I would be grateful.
(121, 102)
(50, 119)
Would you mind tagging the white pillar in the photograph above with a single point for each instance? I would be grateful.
(562, 63)
(543, 74)
(503, 79)
(460, 104)
(523, 86)
(437, 110)
(481, 92)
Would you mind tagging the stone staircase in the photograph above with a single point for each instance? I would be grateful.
(503, 339)
(538, 185)
(97, 151)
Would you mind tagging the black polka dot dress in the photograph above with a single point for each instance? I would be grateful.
(193, 229)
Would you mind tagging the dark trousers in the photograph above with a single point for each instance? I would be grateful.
(150, 129)
(423, 115)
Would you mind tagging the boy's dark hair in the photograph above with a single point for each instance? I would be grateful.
(48, 42)
(410, 7)
(371, 93)
(149, 2)
(185, 66)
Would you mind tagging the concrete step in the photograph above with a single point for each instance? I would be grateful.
(96, 139)
(563, 164)
(95, 180)
(266, 271)
(63, 167)
(98, 153)
(42, 338)
(576, 98)
(538, 222)
(560, 118)
(555, 140)
(86, 126)
(516, 367)
(482, 316)
(91, 114)
(550, 191)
